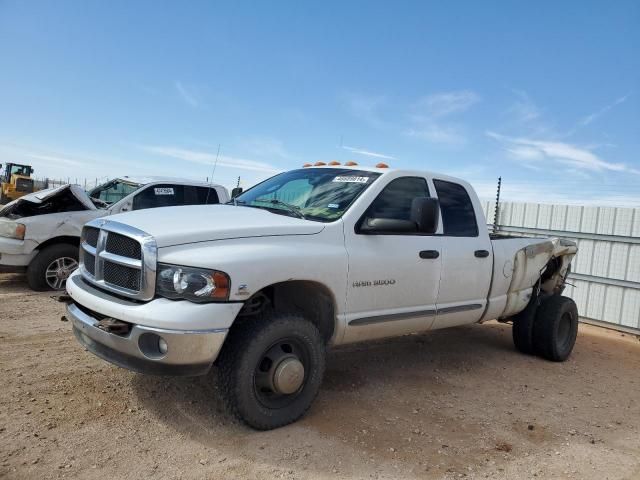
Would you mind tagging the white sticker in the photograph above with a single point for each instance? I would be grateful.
(333, 205)
(163, 191)
(351, 179)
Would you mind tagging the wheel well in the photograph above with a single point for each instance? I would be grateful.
(312, 299)
(75, 241)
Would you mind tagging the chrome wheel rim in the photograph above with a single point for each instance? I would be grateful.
(58, 271)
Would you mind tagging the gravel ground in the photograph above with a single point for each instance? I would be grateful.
(457, 403)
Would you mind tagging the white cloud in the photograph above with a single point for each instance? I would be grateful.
(368, 153)
(594, 116)
(187, 94)
(208, 158)
(434, 133)
(578, 157)
(445, 103)
(431, 116)
(261, 146)
(524, 109)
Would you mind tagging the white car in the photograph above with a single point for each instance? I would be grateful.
(310, 258)
(40, 232)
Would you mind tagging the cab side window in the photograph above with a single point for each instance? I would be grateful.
(204, 195)
(458, 215)
(164, 195)
(395, 200)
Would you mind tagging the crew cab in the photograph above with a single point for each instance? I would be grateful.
(311, 258)
(40, 232)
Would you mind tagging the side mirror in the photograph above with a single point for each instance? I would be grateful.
(388, 225)
(425, 212)
(236, 191)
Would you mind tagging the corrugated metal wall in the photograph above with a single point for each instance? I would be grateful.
(606, 272)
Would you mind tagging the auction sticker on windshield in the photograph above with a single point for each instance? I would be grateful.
(351, 179)
(163, 191)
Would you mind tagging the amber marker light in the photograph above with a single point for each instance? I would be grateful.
(306, 165)
(350, 164)
(382, 165)
(221, 281)
(319, 164)
(334, 163)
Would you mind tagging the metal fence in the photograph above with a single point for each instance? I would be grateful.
(86, 183)
(605, 277)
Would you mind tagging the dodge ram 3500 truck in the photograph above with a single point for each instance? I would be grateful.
(314, 257)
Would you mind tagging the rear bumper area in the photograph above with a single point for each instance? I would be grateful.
(148, 350)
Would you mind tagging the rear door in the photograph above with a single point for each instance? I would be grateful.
(393, 277)
(467, 257)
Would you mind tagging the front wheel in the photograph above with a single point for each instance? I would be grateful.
(556, 328)
(271, 368)
(52, 266)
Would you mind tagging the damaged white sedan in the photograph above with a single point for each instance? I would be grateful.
(40, 232)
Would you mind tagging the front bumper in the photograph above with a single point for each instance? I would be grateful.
(16, 253)
(188, 352)
(194, 333)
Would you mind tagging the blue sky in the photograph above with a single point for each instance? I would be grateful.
(546, 94)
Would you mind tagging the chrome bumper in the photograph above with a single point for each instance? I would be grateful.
(187, 352)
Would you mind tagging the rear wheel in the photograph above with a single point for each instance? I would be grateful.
(522, 329)
(556, 328)
(271, 368)
(50, 269)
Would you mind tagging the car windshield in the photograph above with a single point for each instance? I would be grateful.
(319, 194)
(112, 192)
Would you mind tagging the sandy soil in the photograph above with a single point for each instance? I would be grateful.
(458, 403)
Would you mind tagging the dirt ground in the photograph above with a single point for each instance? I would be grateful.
(457, 403)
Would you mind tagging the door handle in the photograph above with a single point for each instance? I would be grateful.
(429, 254)
(481, 253)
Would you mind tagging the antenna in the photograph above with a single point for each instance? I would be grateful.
(213, 170)
(496, 212)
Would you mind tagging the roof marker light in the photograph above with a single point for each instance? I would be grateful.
(306, 165)
(382, 165)
(334, 163)
(350, 164)
(319, 164)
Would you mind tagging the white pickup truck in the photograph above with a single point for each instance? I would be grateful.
(40, 232)
(315, 257)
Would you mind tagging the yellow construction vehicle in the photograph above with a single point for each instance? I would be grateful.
(15, 182)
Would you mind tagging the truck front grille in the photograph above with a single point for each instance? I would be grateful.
(118, 258)
(122, 276)
(123, 246)
(91, 236)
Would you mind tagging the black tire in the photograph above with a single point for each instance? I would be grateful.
(523, 324)
(37, 269)
(556, 328)
(248, 348)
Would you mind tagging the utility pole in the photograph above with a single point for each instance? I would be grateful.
(496, 212)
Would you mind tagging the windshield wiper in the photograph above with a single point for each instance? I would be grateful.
(292, 208)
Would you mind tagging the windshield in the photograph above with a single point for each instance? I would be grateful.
(22, 170)
(320, 194)
(113, 191)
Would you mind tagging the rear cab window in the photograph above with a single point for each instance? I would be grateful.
(456, 207)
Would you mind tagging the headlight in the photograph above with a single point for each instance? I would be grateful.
(12, 230)
(193, 284)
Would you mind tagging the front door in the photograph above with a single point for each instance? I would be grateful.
(393, 278)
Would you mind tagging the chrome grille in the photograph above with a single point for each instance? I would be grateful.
(91, 236)
(89, 262)
(125, 277)
(118, 258)
(123, 246)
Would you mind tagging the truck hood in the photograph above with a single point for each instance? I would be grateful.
(52, 200)
(200, 223)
